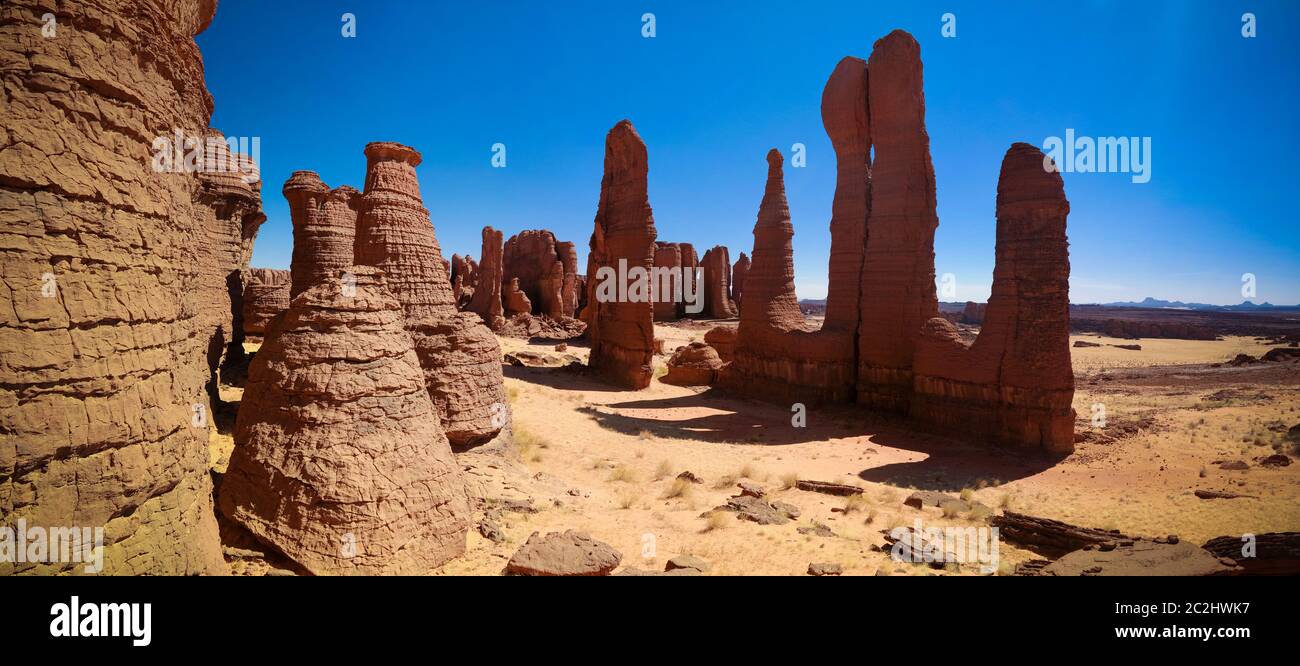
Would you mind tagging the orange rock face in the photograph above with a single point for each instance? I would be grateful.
(515, 300)
(1015, 382)
(716, 264)
(696, 364)
(339, 460)
(112, 299)
(324, 228)
(570, 286)
(621, 330)
(460, 356)
(738, 272)
(266, 294)
(898, 292)
(486, 300)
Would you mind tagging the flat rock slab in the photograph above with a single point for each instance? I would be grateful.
(529, 359)
(760, 511)
(687, 562)
(828, 488)
(824, 569)
(1272, 553)
(568, 553)
(924, 498)
(1143, 558)
(816, 529)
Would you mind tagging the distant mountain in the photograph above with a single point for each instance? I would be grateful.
(1244, 306)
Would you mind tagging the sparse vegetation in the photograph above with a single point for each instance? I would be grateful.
(679, 488)
(717, 520)
(856, 504)
(627, 499)
(789, 480)
(622, 473)
(665, 469)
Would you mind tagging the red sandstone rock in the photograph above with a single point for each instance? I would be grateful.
(570, 286)
(776, 356)
(460, 356)
(486, 301)
(464, 279)
(339, 461)
(621, 333)
(515, 300)
(1015, 383)
(973, 313)
(690, 271)
(717, 283)
(324, 228)
(266, 294)
(723, 340)
(696, 364)
(105, 332)
(898, 292)
(667, 256)
(738, 272)
(533, 256)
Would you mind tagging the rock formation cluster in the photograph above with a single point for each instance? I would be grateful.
(883, 343)
(340, 462)
(118, 281)
(621, 330)
(716, 289)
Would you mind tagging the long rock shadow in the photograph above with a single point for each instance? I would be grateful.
(951, 465)
(564, 379)
(742, 421)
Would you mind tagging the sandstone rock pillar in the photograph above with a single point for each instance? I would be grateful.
(621, 330)
(486, 301)
(460, 356)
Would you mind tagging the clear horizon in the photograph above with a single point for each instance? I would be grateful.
(717, 86)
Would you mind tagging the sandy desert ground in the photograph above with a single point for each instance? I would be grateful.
(605, 461)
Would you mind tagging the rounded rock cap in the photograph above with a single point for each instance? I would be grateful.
(379, 151)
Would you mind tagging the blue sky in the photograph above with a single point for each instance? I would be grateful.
(722, 82)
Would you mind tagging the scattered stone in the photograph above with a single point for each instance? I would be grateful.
(1275, 460)
(816, 529)
(1050, 536)
(1270, 553)
(1234, 465)
(1206, 494)
(568, 553)
(687, 562)
(828, 488)
(689, 476)
(824, 569)
(1085, 343)
(751, 489)
(490, 530)
(1139, 558)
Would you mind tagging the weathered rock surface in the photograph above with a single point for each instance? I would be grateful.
(828, 487)
(738, 272)
(690, 562)
(533, 257)
(266, 294)
(668, 302)
(105, 332)
(464, 279)
(571, 284)
(695, 364)
(486, 301)
(716, 290)
(723, 340)
(825, 569)
(1049, 536)
(898, 292)
(973, 313)
(776, 356)
(460, 356)
(339, 461)
(1139, 558)
(516, 302)
(1269, 554)
(567, 553)
(324, 228)
(621, 331)
(1014, 383)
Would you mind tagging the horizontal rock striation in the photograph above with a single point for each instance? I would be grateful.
(339, 462)
(266, 294)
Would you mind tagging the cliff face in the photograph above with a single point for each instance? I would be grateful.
(115, 282)
(621, 330)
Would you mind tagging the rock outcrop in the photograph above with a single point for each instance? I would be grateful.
(514, 299)
(723, 340)
(486, 301)
(690, 262)
(716, 290)
(738, 272)
(570, 285)
(1014, 383)
(103, 349)
(667, 274)
(973, 313)
(533, 257)
(266, 294)
(324, 228)
(340, 462)
(620, 328)
(898, 292)
(460, 356)
(464, 279)
(695, 364)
